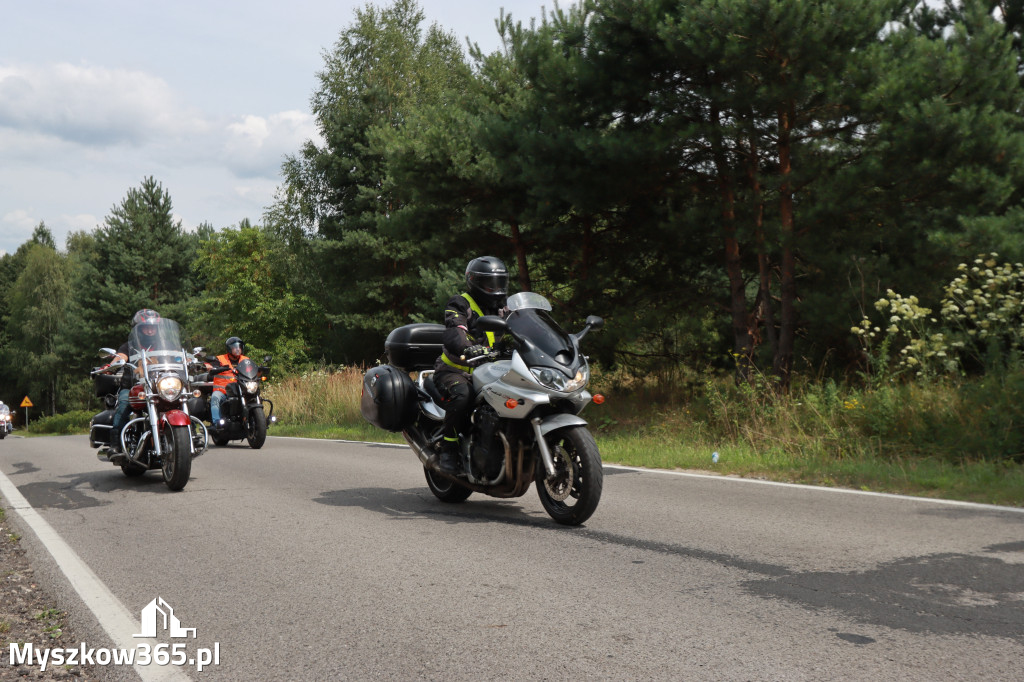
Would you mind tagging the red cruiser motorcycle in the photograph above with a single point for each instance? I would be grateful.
(160, 434)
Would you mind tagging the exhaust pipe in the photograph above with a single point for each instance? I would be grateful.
(419, 446)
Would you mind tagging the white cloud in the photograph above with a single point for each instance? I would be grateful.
(92, 105)
(81, 221)
(19, 219)
(255, 146)
(16, 226)
(76, 138)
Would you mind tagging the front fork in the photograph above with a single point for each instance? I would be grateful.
(542, 427)
(154, 431)
(154, 426)
(542, 445)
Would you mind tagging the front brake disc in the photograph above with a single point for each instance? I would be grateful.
(560, 486)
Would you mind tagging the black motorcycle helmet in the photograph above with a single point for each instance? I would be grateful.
(487, 280)
(236, 346)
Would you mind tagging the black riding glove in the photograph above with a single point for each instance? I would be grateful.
(475, 351)
(475, 355)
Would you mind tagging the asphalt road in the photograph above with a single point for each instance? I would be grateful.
(326, 560)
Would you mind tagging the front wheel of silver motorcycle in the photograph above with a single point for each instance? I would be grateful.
(571, 496)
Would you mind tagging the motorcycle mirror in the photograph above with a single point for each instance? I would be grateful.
(197, 350)
(491, 323)
(266, 359)
(593, 323)
(107, 352)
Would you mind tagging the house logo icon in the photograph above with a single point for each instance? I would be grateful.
(158, 615)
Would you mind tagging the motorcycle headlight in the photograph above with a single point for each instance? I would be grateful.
(556, 381)
(252, 386)
(169, 387)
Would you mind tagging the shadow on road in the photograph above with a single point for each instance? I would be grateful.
(72, 492)
(419, 503)
(937, 594)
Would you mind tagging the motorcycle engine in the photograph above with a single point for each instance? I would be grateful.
(487, 452)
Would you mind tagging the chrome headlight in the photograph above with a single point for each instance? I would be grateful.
(169, 388)
(251, 386)
(556, 381)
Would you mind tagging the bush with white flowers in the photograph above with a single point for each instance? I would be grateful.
(981, 317)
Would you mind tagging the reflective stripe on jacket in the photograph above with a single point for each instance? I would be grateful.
(458, 319)
(222, 380)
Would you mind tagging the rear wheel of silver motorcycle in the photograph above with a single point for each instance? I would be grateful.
(176, 456)
(257, 428)
(572, 495)
(446, 489)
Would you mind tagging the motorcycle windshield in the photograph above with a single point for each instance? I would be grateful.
(247, 370)
(159, 342)
(4, 411)
(527, 299)
(542, 343)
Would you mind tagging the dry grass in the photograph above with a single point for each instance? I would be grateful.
(319, 397)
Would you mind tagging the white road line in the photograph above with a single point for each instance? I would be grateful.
(114, 618)
(738, 479)
(818, 488)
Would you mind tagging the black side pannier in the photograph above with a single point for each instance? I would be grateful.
(389, 398)
(414, 347)
(105, 384)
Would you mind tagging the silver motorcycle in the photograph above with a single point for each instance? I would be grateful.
(525, 425)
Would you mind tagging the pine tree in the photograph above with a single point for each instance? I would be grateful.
(381, 71)
(139, 258)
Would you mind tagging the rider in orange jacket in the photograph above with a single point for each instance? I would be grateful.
(221, 381)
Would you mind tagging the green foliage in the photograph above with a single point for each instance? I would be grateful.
(36, 345)
(75, 421)
(248, 294)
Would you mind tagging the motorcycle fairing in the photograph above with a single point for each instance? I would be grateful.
(494, 383)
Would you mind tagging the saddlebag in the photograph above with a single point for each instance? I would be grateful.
(104, 384)
(414, 347)
(198, 408)
(388, 398)
(99, 428)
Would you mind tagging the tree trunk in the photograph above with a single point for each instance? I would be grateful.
(783, 363)
(742, 347)
(520, 249)
(764, 294)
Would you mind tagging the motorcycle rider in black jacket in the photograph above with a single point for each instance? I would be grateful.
(487, 288)
(149, 318)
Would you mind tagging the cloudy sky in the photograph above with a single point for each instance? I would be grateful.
(206, 96)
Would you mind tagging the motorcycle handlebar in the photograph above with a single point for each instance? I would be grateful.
(481, 359)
